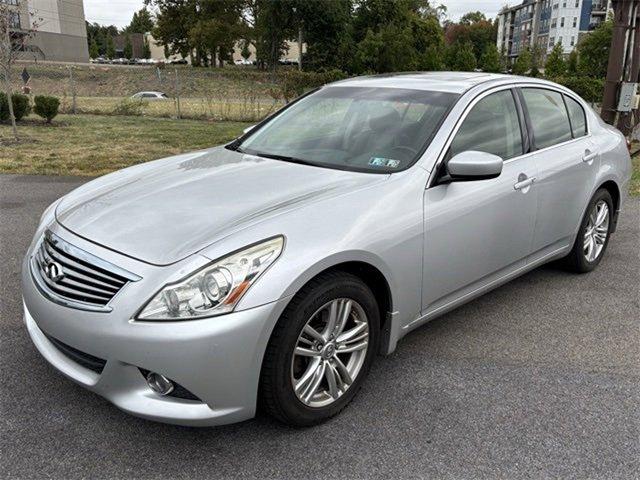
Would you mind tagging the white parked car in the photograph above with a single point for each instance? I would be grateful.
(150, 96)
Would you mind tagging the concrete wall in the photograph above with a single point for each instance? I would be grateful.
(58, 47)
(61, 32)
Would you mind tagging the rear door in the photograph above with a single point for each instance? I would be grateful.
(478, 232)
(566, 160)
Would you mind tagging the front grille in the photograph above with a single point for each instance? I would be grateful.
(74, 277)
(85, 360)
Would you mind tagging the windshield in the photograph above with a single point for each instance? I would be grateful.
(380, 130)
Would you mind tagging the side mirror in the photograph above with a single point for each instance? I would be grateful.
(248, 129)
(472, 165)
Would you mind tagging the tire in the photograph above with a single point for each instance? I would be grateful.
(578, 260)
(282, 370)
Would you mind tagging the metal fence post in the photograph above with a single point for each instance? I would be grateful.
(72, 84)
(178, 93)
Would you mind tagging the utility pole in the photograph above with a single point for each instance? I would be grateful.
(631, 74)
(620, 57)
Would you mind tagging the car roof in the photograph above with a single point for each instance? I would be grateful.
(452, 82)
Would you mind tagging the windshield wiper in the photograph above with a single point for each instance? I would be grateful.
(284, 158)
(234, 146)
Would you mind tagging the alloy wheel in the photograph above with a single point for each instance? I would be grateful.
(597, 230)
(330, 352)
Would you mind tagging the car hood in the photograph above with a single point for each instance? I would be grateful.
(164, 211)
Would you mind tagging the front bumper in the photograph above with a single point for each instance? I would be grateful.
(217, 359)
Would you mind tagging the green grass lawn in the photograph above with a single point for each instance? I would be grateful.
(95, 145)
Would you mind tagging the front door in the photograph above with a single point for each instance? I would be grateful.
(478, 232)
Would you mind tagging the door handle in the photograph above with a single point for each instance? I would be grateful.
(589, 156)
(524, 183)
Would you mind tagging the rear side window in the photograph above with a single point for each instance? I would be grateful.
(492, 126)
(548, 115)
(577, 116)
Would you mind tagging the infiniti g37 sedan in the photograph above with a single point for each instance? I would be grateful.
(271, 271)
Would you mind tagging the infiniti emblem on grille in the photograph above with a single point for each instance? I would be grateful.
(54, 271)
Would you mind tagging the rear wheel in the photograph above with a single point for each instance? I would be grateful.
(593, 236)
(321, 350)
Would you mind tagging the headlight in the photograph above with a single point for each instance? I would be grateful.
(215, 289)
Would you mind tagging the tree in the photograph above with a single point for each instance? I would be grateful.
(555, 65)
(490, 60)
(245, 53)
(572, 63)
(395, 35)
(534, 69)
(142, 22)
(174, 20)
(146, 48)
(274, 25)
(12, 42)
(111, 49)
(479, 33)
(460, 57)
(94, 51)
(98, 34)
(326, 31)
(523, 63)
(472, 17)
(128, 47)
(593, 51)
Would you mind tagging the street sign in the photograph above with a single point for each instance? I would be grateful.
(25, 76)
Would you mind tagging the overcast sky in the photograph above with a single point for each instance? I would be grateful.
(119, 12)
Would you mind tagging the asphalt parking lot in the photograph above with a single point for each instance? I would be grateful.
(537, 379)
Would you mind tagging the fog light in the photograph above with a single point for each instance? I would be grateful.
(159, 383)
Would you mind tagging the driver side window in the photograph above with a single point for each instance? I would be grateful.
(492, 126)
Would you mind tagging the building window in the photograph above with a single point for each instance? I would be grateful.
(10, 2)
(560, 40)
(577, 3)
(14, 20)
(575, 22)
(573, 41)
(562, 22)
(552, 41)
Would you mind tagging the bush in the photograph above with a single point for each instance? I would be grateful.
(294, 83)
(21, 106)
(591, 89)
(46, 107)
(133, 107)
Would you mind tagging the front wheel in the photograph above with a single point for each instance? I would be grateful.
(321, 350)
(593, 236)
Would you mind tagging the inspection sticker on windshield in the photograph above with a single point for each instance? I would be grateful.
(384, 162)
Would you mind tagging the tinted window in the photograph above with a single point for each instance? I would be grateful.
(361, 129)
(578, 117)
(492, 126)
(549, 118)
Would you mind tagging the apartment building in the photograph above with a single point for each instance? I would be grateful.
(544, 23)
(58, 27)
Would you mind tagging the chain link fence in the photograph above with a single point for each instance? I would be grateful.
(233, 95)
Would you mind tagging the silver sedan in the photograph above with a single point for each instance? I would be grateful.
(271, 271)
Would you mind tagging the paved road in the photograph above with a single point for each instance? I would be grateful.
(536, 379)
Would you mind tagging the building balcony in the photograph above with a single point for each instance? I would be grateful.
(599, 8)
